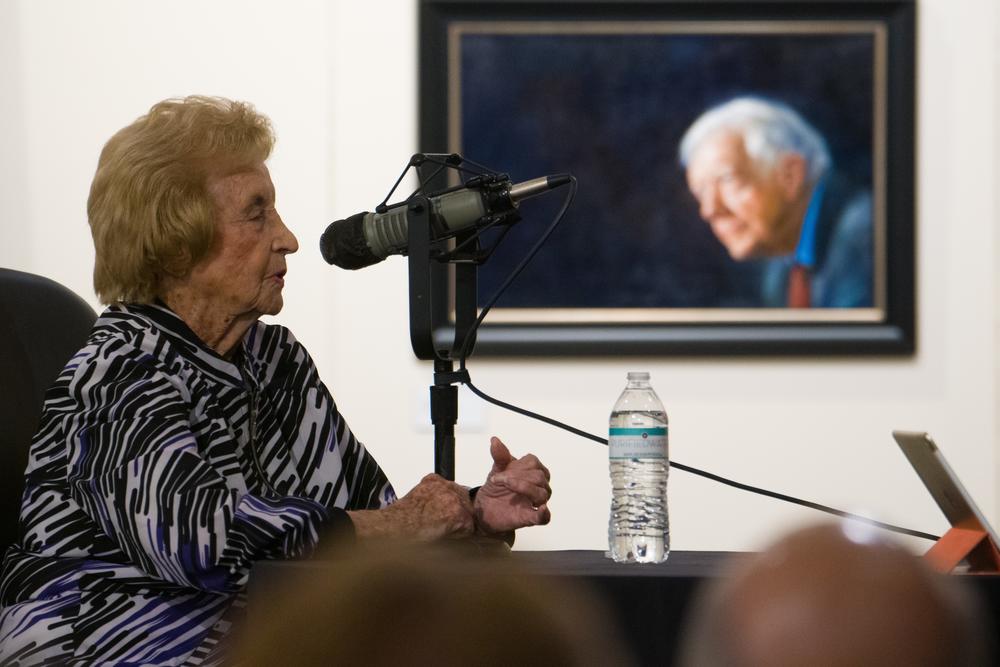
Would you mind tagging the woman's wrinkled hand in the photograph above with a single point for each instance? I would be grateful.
(434, 509)
(515, 495)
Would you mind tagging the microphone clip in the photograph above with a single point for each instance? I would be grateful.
(494, 187)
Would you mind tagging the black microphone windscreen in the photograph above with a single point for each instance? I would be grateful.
(343, 244)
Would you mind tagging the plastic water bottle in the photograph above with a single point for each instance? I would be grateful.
(639, 527)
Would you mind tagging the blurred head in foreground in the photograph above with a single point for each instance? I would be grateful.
(429, 607)
(832, 595)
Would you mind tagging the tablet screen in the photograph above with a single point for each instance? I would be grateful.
(942, 482)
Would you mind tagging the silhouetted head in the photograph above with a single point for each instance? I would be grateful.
(832, 595)
(408, 605)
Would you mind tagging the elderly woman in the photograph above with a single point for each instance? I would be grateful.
(187, 439)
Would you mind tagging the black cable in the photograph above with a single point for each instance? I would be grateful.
(464, 351)
(708, 475)
(466, 343)
(465, 379)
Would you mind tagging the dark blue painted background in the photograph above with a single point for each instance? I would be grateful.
(611, 110)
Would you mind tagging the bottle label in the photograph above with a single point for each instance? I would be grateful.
(637, 443)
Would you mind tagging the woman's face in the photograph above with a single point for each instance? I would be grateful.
(244, 271)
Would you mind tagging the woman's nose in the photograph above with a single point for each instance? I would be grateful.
(285, 241)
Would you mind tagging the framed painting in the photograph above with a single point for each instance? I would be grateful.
(745, 170)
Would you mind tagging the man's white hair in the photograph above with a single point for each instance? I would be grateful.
(768, 128)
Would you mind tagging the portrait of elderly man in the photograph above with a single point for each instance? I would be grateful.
(765, 183)
(188, 439)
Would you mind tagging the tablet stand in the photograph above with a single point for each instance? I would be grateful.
(964, 544)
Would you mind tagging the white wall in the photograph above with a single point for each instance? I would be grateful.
(339, 81)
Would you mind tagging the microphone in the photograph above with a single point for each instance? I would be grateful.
(368, 238)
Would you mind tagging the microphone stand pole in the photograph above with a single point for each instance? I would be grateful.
(444, 416)
(429, 291)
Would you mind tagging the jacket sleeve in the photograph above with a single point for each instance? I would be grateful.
(368, 486)
(136, 468)
(848, 270)
(341, 473)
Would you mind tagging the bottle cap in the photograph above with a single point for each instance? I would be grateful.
(637, 376)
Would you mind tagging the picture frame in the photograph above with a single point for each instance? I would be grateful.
(606, 91)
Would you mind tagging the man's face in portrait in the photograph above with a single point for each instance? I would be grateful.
(746, 204)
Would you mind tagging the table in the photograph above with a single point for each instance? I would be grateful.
(650, 602)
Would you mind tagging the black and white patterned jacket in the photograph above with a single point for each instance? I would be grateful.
(159, 473)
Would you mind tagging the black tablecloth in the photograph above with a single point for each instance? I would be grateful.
(680, 564)
(649, 601)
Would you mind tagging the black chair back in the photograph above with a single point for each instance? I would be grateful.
(42, 324)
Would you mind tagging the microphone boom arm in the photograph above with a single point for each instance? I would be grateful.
(431, 267)
(428, 314)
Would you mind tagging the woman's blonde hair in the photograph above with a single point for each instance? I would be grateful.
(149, 209)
